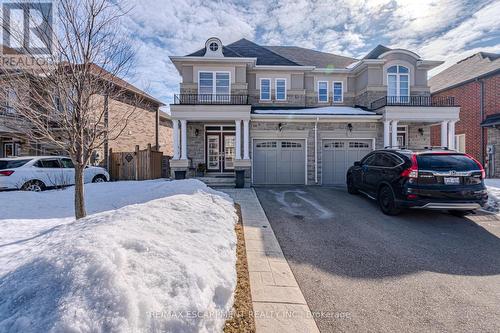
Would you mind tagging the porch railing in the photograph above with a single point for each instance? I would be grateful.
(412, 101)
(216, 99)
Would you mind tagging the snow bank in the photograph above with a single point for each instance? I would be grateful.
(493, 186)
(158, 257)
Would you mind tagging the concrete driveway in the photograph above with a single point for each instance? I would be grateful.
(360, 270)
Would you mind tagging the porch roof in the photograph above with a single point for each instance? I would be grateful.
(491, 120)
(327, 110)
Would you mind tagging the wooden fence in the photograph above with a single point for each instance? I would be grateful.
(137, 165)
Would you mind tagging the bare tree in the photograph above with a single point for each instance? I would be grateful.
(63, 96)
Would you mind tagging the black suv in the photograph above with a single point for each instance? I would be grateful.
(429, 179)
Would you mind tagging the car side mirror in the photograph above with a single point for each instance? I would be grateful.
(357, 163)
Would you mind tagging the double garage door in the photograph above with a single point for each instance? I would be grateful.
(283, 161)
(338, 156)
(279, 162)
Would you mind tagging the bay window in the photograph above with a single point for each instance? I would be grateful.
(398, 84)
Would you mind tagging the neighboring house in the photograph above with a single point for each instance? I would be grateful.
(474, 82)
(289, 115)
(144, 127)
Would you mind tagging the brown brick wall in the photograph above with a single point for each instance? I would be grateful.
(469, 98)
(139, 130)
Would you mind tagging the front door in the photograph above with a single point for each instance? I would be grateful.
(220, 152)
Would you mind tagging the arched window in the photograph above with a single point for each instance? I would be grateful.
(398, 83)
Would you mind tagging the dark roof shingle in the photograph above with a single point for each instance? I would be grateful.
(308, 57)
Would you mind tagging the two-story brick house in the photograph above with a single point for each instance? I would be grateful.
(147, 124)
(474, 83)
(289, 115)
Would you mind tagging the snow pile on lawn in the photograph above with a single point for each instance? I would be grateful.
(493, 186)
(163, 262)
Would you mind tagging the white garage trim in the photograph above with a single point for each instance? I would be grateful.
(277, 139)
(357, 138)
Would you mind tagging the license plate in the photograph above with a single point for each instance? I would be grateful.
(451, 180)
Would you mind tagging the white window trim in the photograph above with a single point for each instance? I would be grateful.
(270, 88)
(276, 89)
(341, 93)
(214, 79)
(327, 94)
(398, 80)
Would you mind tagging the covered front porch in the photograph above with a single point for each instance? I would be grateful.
(213, 142)
(409, 127)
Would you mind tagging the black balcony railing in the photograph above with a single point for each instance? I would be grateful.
(218, 99)
(412, 101)
(7, 111)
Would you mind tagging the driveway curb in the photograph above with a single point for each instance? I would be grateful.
(278, 302)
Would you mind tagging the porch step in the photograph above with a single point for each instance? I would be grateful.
(218, 181)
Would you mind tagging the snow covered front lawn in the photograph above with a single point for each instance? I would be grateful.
(152, 256)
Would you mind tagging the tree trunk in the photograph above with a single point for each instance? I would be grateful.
(79, 193)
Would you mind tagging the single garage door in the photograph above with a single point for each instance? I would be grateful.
(279, 162)
(338, 156)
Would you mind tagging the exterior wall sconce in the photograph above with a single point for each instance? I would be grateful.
(421, 131)
(280, 127)
(349, 127)
(196, 132)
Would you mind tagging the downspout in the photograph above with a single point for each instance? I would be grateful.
(157, 142)
(481, 112)
(316, 151)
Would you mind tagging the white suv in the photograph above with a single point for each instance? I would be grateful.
(41, 172)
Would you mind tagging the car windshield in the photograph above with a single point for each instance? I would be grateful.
(446, 162)
(11, 164)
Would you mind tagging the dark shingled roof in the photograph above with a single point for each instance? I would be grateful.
(377, 51)
(246, 49)
(308, 57)
(477, 65)
(492, 120)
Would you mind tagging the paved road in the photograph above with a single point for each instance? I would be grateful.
(360, 270)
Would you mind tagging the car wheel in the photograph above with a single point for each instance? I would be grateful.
(99, 179)
(459, 213)
(33, 186)
(350, 186)
(387, 202)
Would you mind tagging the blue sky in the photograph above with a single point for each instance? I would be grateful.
(447, 30)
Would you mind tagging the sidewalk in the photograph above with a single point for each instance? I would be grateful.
(278, 303)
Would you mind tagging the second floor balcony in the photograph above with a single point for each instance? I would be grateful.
(413, 101)
(210, 99)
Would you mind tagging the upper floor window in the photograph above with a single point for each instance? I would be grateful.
(323, 91)
(337, 92)
(265, 89)
(398, 82)
(280, 89)
(214, 83)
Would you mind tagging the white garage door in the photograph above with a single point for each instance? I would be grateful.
(338, 156)
(279, 162)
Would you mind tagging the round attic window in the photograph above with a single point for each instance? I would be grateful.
(214, 46)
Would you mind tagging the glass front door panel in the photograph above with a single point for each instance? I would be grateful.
(213, 148)
(229, 151)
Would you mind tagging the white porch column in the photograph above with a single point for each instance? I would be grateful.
(238, 140)
(444, 134)
(394, 140)
(175, 134)
(246, 142)
(451, 135)
(184, 139)
(387, 136)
